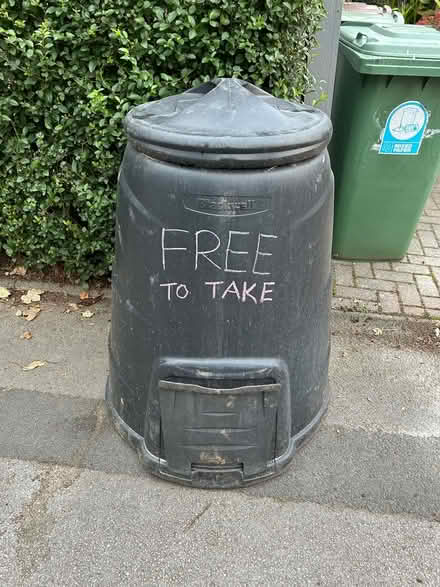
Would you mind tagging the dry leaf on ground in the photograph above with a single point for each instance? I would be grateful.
(377, 331)
(83, 295)
(91, 301)
(31, 314)
(27, 335)
(4, 293)
(34, 365)
(87, 314)
(71, 308)
(33, 295)
(19, 313)
(21, 271)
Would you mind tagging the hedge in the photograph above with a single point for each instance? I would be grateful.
(69, 72)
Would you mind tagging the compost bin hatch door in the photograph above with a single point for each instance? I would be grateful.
(216, 428)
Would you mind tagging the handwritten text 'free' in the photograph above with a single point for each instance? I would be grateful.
(233, 257)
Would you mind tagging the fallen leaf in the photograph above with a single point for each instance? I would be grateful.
(34, 365)
(19, 271)
(437, 332)
(4, 293)
(91, 301)
(87, 314)
(72, 308)
(377, 331)
(33, 295)
(27, 335)
(83, 295)
(19, 313)
(32, 313)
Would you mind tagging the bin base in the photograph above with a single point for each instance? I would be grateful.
(210, 477)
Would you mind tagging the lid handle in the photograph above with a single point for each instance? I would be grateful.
(361, 39)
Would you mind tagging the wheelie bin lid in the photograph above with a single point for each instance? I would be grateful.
(364, 7)
(360, 13)
(389, 49)
(353, 18)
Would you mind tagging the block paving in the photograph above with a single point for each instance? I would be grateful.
(409, 287)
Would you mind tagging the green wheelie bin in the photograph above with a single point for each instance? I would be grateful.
(385, 150)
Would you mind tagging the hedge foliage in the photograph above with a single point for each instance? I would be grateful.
(69, 72)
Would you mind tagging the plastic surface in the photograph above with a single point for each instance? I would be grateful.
(379, 197)
(362, 7)
(219, 341)
(360, 13)
(255, 128)
(392, 49)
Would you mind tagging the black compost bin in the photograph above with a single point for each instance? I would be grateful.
(219, 343)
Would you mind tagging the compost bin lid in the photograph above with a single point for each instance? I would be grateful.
(228, 123)
(392, 49)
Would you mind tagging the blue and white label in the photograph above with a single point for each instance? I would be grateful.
(404, 129)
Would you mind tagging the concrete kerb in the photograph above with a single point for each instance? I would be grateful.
(63, 289)
(390, 317)
(12, 283)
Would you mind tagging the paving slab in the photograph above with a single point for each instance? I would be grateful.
(385, 382)
(74, 349)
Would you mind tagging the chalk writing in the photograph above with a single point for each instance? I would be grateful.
(241, 252)
(204, 254)
(242, 291)
(164, 248)
(181, 291)
(231, 251)
(260, 253)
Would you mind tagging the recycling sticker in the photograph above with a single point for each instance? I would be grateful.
(404, 129)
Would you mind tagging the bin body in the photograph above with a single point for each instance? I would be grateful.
(219, 343)
(379, 195)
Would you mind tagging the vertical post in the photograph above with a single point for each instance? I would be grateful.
(323, 63)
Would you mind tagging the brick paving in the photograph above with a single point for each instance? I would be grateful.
(408, 287)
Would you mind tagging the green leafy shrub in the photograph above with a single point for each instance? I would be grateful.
(413, 10)
(69, 72)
